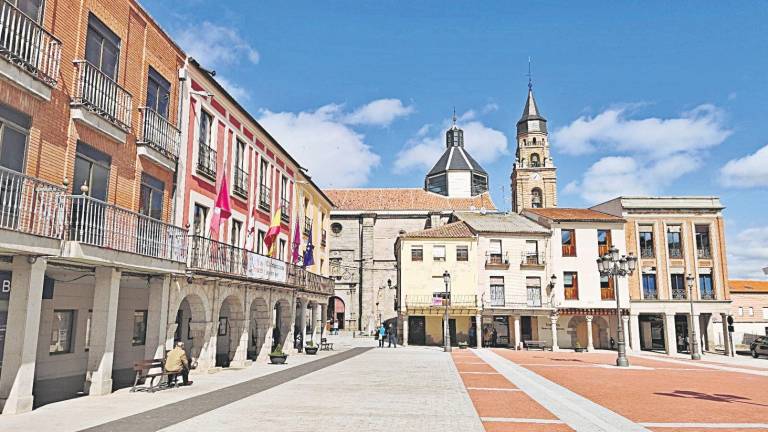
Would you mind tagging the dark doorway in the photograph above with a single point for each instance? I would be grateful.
(681, 333)
(526, 329)
(451, 330)
(417, 334)
(651, 333)
(501, 325)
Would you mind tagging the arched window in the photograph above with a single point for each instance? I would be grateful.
(535, 161)
(534, 140)
(536, 200)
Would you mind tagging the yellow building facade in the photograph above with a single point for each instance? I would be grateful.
(313, 208)
(422, 259)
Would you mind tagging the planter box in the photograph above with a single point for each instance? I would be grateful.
(310, 350)
(278, 359)
(462, 345)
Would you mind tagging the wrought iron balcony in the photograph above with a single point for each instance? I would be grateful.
(241, 182)
(679, 294)
(707, 294)
(650, 294)
(99, 93)
(285, 210)
(265, 198)
(26, 43)
(532, 259)
(704, 253)
(211, 256)
(307, 225)
(437, 300)
(29, 205)
(305, 280)
(646, 252)
(497, 260)
(159, 133)
(675, 253)
(206, 161)
(94, 222)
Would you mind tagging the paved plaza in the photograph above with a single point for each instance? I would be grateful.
(359, 387)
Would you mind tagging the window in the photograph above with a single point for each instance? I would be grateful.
(603, 241)
(285, 212)
(674, 242)
(606, 288)
(533, 291)
(281, 251)
(417, 253)
(751, 311)
(151, 197)
(61, 331)
(536, 198)
(139, 327)
(102, 47)
(649, 286)
(241, 170)
(568, 237)
(703, 250)
(705, 285)
(14, 129)
(462, 253)
(158, 93)
(92, 170)
(438, 253)
(571, 284)
(765, 313)
(206, 158)
(479, 184)
(198, 224)
(494, 252)
(336, 228)
(535, 160)
(646, 241)
(234, 233)
(265, 193)
(437, 184)
(677, 283)
(260, 242)
(532, 253)
(497, 291)
(31, 8)
(741, 311)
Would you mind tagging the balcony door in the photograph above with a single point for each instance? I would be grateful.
(149, 234)
(158, 93)
(18, 37)
(88, 215)
(102, 51)
(14, 129)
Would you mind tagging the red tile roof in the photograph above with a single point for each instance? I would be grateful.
(452, 230)
(748, 286)
(404, 199)
(574, 214)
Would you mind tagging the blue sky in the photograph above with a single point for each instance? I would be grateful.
(641, 97)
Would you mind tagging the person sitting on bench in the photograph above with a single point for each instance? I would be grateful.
(177, 363)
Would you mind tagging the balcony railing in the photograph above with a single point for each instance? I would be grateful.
(307, 225)
(99, 93)
(324, 238)
(26, 43)
(704, 253)
(650, 294)
(212, 256)
(707, 294)
(265, 198)
(646, 252)
(675, 253)
(679, 294)
(206, 161)
(497, 260)
(158, 133)
(532, 259)
(437, 301)
(571, 293)
(285, 210)
(94, 222)
(305, 280)
(241, 182)
(531, 299)
(607, 293)
(29, 205)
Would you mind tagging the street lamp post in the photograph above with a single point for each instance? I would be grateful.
(446, 327)
(695, 353)
(613, 265)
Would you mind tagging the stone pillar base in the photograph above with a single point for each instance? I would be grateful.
(17, 405)
(98, 386)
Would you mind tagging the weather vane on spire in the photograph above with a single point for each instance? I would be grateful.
(530, 76)
(454, 116)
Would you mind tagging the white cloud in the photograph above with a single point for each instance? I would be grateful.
(749, 171)
(645, 155)
(483, 143)
(381, 112)
(213, 45)
(748, 254)
(335, 154)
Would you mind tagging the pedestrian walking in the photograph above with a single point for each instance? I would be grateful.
(391, 336)
(382, 334)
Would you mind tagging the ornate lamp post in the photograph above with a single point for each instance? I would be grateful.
(446, 326)
(613, 265)
(695, 353)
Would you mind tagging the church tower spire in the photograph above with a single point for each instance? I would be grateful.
(534, 176)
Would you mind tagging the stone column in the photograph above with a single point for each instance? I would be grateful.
(625, 326)
(634, 322)
(590, 342)
(302, 322)
(239, 338)
(553, 326)
(404, 338)
(479, 331)
(517, 331)
(98, 376)
(670, 339)
(20, 350)
(157, 317)
(323, 314)
(726, 336)
(367, 318)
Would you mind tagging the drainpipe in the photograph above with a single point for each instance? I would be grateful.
(179, 177)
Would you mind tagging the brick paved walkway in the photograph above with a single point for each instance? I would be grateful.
(509, 390)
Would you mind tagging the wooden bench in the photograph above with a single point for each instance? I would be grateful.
(151, 369)
(325, 345)
(534, 344)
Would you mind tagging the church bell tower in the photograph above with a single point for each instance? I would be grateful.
(534, 176)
